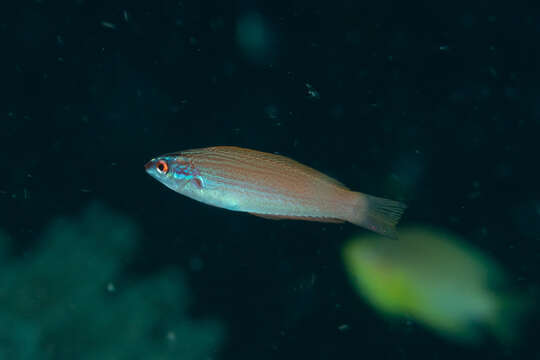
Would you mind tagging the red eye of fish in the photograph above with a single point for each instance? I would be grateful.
(162, 167)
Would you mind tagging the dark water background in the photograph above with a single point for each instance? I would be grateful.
(434, 104)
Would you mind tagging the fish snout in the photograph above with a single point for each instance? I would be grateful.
(149, 165)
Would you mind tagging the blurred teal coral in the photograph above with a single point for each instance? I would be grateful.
(69, 298)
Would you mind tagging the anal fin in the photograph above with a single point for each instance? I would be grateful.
(306, 218)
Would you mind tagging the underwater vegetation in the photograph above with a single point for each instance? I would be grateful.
(434, 278)
(70, 298)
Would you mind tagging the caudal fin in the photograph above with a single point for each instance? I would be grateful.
(377, 214)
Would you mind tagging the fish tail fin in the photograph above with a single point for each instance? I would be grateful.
(377, 214)
(510, 317)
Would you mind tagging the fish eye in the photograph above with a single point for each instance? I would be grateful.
(162, 167)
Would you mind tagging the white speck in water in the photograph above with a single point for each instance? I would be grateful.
(312, 93)
(108, 25)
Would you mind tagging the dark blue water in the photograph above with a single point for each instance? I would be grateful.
(435, 105)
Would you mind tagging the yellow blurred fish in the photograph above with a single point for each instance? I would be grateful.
(434, 278)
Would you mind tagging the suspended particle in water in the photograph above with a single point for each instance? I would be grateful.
(312, 93)
(108, 25)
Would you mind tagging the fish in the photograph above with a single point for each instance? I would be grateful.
(439, 280)
(271, 186)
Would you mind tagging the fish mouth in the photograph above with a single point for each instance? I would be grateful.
(148, 166)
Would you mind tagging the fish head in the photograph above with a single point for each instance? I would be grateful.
(172, 170)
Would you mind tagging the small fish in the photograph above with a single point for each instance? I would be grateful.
(270, 186)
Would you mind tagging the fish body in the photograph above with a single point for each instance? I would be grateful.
(271, 186)
(439, 280)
